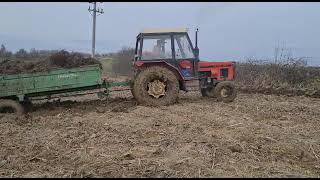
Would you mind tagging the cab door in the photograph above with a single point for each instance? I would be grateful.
(184, 55)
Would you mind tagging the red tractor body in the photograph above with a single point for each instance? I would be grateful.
(221, 71)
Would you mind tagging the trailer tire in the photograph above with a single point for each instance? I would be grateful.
(152, 74)
(225, 91)
(27, 105)
(14, 105)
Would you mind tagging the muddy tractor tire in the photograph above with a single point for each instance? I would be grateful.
(11, 106)
(131, 89)
(225, 91)
(156, 86)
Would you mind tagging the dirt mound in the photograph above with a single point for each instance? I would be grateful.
(61, 59)
(70, 60)
(18, 66)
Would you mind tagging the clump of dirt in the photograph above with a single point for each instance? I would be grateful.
(61, 59)
(235, 148)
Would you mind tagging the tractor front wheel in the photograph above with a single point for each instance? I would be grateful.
(11, 106)
(156, 86)
(225, 91)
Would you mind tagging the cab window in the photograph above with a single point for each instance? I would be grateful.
(156, 47)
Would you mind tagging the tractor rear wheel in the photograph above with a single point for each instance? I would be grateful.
(131, 89)
(225, 91)
(156, 86)
(11, 106)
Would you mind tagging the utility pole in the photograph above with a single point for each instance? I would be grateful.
(95, 11)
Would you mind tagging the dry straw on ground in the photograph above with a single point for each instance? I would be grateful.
(255, 136)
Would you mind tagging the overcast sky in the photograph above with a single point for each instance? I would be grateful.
(227, 31)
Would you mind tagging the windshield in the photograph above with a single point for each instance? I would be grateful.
(183, 49)
(156, 47)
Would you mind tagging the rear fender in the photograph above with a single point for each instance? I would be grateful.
(140, 65)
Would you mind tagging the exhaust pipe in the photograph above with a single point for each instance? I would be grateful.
(197, 38)
(196, 49)
(196, 53)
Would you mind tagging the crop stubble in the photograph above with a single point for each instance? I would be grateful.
(255, 136)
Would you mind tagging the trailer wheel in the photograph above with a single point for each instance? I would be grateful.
(11, 106)
(156, 86)
(26, 104)
(225, 91)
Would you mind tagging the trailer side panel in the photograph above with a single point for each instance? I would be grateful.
(55, 80)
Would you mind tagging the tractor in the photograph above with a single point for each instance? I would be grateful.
(166, 61)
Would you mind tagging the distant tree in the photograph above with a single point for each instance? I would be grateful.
(21, 54)
(8, 54)
(123, 61)
(2, 50)
(34, 53)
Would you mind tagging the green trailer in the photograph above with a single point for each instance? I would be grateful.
(17, 90)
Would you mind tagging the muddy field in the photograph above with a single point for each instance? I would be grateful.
(255, 136)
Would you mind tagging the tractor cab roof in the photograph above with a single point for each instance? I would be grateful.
(162, 31)
(168, 30)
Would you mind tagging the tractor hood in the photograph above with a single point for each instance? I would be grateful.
(219, 70)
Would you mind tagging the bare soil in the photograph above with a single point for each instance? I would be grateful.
(312, 92)
(254, 136)
(62, 59)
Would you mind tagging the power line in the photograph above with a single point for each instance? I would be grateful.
(95, 11)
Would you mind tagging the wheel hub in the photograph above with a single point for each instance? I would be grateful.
(224, 93)
(156, 89)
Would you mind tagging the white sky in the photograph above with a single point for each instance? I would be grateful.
(228, 31)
